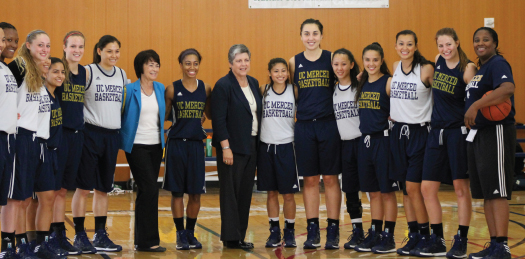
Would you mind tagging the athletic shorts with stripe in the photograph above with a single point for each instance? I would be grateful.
(374, 163)
(7, 163)
(26, 163)
(276, 169)
(491, 162)
(446, 155)
(407, 143)
(69, 153)
(47, 169)
(350, 159)
(184, 166)
(99, 159)
(318, 147)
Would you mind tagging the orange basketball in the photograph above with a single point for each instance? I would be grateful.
(496, 112)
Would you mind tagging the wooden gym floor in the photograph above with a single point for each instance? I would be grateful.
(121, 220)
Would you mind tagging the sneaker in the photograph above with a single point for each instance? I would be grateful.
(500, 251)
(411, 242)
(313, 238)
(289, 237)
(192, 240)
(486, 251)
(81, 242)
(47, 251)
(24, 251)
(357, 237)
(61, 240)
(387, 244)
(423, 242)
(55, 247)
(9, 253)
(101, 242)
(182, 240)
(434, 247)
(372, 238)
(332, 237)
(459, 248)
(274, 240)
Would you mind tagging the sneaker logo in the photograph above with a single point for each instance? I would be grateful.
(504, 76)
(300, 66)
(394, 185)
(204, 188)
(98, 78)
(495, 191)
(439, 67)
(294, 186)
(179, 94)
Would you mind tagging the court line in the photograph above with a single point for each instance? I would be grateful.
(519, 224)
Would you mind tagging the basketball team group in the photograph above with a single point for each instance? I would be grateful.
(384, 127)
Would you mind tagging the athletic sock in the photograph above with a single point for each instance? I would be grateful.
(412, 227)
(463, 231)
(31, 235)
(57, 227)
(333, 222)
(289, 223)
(501, 240)
(8, 238)
(377, 225)
(179, 223)
(79, 224)
(21, 239)
(390, 226)
(437, 229)
(357, 223)
(312, 221)
(423, 229)
(41, 236)
(100, 223)
(492, 239)
(274, 222)
(190, 223)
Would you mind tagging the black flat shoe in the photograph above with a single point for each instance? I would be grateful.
(238, 245)
(149, 249)
(246, 245)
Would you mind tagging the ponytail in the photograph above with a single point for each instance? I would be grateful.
(105, 40)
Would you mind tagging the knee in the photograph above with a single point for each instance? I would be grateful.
(62, 193)
(426, 191)
(272, 195)
(461, 188)
(311, 182)
(331, 181)
(413, 189)
(389, 197)
(194, 198)
(374, 195)
(288, 198)
(83, 193)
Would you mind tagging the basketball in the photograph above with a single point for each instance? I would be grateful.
(496, 112)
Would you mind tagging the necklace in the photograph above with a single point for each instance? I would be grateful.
(144, 91)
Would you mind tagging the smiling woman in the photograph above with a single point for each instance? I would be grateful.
(11, 41)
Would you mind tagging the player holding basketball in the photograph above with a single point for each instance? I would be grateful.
(491, 149)
(316, 135)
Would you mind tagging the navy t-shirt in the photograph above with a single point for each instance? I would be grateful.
(448, 90)
(374, 107)
(71, 96)
(187, 111)
(55, 131)
(489, 77)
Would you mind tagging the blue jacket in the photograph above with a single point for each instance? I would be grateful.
(131, 113)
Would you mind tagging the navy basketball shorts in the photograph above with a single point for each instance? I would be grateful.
(26, 163)
(491, 162)
(47, 168)
(276, 169)
(99, 159)
(446, 155)
(350, 160)
(7, 164)
(184, 169)
(374, 157)
(317, 147)
(69, 153)
(407, 143)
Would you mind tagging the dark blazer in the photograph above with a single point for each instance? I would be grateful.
(231, 117)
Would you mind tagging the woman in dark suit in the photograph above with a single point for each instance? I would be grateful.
(236, 115)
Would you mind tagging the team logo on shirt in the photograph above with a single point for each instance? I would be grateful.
(11, 84)
(300, 66)
(108, 93)
(503, 77)
(444, 82)
(98, 78)
(404, 90)
(348, 109)
(439, 67)
(314, 78)
(179, 94)
(278, 109)
(474, 82)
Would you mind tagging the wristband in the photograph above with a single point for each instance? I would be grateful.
(224, 148)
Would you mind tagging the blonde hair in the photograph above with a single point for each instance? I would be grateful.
(25, 62)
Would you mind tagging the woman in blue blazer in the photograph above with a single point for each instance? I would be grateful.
(236, 106)
(142, 138)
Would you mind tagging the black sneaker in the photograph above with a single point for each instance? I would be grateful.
(357, 237)
(46, 251)
(81, 242)
(63, 242)
(192, 240)
(182, 240)
(332, 237)
(289, 237)
(500, 251)
(459, 248)
(434, 247)
(9, 252)
(24, 251)
(313, 238)
(274, 240)
(487, 249)
(423, 240)
(411, 242)
(387, 244)
(372, 238)
(101, 242)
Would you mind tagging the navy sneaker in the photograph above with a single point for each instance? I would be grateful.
(182, 240)
(332, 237)
(24, 251)
(357, 237)
(9, 252)
(387, 244)
(313, 238)
(47, 251)
(289, 237)
(500, 251)
(372, 238)
(459, 248)
(81, 242)
(63, 242)
(274, 240)
(101, 242)
(487, 249)
(423, 240)
(411, 242)
(434, 247)
(192, 240)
